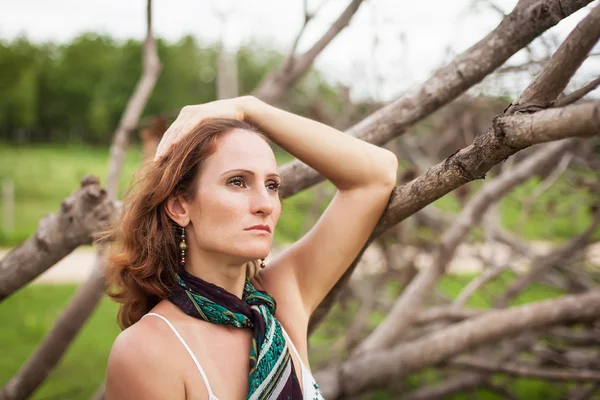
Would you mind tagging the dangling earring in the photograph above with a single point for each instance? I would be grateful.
(182, 247)
(262, 263)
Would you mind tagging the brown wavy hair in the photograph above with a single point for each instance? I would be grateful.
(144, 242)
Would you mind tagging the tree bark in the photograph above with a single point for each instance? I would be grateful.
(85, 212)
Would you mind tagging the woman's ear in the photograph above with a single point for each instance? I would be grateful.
(178, 210)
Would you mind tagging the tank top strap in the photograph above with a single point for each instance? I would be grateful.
(211, 396)
(310, 388)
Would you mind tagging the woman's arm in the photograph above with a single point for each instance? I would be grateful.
(364, 175)
(347, 162)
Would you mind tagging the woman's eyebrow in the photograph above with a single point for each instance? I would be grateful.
(250, 172)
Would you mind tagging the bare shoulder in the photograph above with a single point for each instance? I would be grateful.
(140, 364)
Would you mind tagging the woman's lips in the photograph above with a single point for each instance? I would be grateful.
(263, 228)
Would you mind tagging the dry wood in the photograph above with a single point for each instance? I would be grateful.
(515, 31)
(408, 306)
(86, 211)
(524, 370)
(578, 94)
(555, 75)
(273, 88)
(474, 161)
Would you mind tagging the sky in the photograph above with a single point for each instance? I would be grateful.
(389, 47)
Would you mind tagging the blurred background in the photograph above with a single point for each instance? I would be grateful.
(68, 70)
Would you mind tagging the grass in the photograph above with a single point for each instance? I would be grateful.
(44, 175)
(28, 316)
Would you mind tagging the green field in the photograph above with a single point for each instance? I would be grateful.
(31, 312)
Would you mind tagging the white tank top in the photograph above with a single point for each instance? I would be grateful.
(310, 389)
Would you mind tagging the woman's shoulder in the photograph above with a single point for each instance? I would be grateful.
(142, 343)
(140, 362)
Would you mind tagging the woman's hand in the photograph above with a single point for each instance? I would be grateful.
(191, 116)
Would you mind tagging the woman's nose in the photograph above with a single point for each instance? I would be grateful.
(261, 203)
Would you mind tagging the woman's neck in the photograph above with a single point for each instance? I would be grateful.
(218, 270)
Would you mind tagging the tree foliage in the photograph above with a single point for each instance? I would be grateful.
(76, 91)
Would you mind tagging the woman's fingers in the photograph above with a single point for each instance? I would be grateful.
(184, 123)
(190, 116)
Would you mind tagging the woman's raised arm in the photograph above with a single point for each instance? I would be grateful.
(364, 175)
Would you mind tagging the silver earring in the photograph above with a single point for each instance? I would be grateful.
(182, 247)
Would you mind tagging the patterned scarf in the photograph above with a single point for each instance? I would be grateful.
(272, 373)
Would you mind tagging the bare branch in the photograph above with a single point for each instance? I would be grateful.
(380, 367)
(542, 187)
(150, 71)
(578, 94)
(522, 130)
(450, 386)
(543, 263)
(407, 307)
(515, 31)
(307, 17)
(524, 370)
(557, 73)
(473, 162)
(85, 212)
(478, 282)
(276, 84)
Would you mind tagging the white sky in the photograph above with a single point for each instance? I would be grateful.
(414, 38)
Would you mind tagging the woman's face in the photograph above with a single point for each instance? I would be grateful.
(237, 204)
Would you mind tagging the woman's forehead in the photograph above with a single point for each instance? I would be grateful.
(241, 149)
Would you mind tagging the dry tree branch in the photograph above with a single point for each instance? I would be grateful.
(479, 281)
(523, 370)
(381, 366)
(519, 28)
(273, 88)
(578, 94)
(508, 135)
(555, 75)
(541, 188)
(554, 258)
(86, 211)
(408, 306)
(445, 388)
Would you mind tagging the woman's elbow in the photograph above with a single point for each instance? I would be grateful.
(388, 163)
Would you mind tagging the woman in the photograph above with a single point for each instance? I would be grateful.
(193, 230)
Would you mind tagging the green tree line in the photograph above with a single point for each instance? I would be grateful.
(76, 91)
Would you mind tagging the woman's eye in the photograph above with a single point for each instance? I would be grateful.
(239, 182)
(274, 186)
